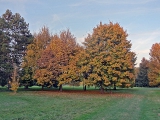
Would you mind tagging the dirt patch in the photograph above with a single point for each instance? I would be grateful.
(81, 92)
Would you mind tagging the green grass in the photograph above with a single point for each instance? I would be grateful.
(123, 104)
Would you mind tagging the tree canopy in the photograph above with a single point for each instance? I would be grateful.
(110, 59)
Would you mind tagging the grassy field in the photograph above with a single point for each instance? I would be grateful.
(123, 104)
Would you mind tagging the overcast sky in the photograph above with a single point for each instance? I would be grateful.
(140, 18)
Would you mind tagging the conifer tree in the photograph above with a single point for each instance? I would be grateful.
(15, 36)
(5, 60)
(142, 77)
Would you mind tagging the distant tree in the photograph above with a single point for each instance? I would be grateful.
(15, 36)
(142, 77)
(110, 60)
(136, 71)
(154, 65)
(34, 51)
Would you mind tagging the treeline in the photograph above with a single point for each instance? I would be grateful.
(149, 70)
(105, 59)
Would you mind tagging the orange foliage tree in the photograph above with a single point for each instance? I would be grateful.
(154, 65)
(33, 53)
(64, 48)
(57, 63)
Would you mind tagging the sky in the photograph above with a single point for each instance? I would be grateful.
(140, 18)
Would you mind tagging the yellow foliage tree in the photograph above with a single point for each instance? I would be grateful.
(154, 65)
(64, 48)
(33, 53)
(110, 60)
(15, 80)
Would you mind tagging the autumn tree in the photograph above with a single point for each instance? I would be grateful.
(142, 77)
(44, 74)
(55, 65)
(71, 72)
(15, 79)
(64, 48)
(33, 53)
(154, 65)
(84, 68)
(110, 59)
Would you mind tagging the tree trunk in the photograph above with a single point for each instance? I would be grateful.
(110, 90)
(84, 87)
(42, 87)
(9, 86)
(26, 86)
(60, 88)
(102, 90)
(114, 87)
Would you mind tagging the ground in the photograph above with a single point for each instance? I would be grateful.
(76, 104)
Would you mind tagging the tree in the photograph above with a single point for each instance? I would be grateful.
(33, 53)
(19, 34)
(5, 60)
(44, 74)
(15, 80)
(154, 65)
(82, 65)
(26, 77)
(54, 63)
(15, 37)
(71, 72)
(142, 77)
(64, 48)
(110, 60)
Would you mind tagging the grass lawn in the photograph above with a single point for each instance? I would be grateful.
(123, 104)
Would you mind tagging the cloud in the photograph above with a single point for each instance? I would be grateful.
(80, 40)
(55, 18)
(142, 42)
(145, 39)
(129, 2)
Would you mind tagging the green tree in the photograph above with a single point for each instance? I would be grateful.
(142, 77)
(15, 36)
(26, 77)
(19, 34)
(110, 62)
(5, 60)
